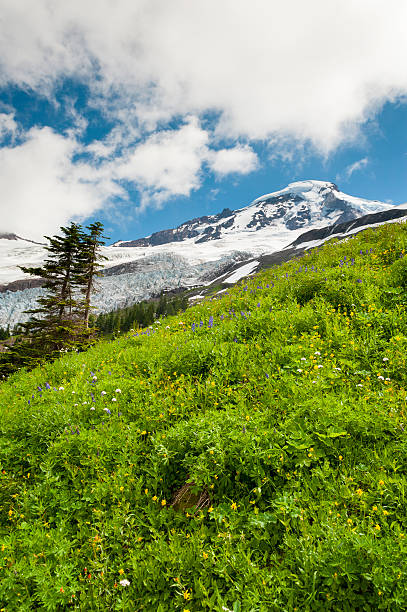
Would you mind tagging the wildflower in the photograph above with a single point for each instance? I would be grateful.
(299, 370)
(377, 527)
(118, 391)
(385, 359)
(107, 410)
(92, 408)
(164, 502)
(125, 582)
(381, 483)
(103, 393)
(303, 359)
(359, 492)
(61, 388)
(233, 506)
(380, 378)
(317, 353)
(47, 386)
(114, 399)
(155, 498)
(121, 572)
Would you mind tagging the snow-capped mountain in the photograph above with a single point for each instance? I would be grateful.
(195, 253)
(298, 206)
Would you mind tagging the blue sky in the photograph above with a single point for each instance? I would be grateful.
(146, 114)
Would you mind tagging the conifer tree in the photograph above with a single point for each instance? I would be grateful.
(90, 257)
(60, 321)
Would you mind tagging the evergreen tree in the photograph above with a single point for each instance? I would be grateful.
(60, 321)
(90, 257)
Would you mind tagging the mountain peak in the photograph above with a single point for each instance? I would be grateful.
(300, 188)
(298, 207)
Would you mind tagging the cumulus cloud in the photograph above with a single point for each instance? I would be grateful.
(45, 180)
(310, 70)
(167, 164)
(239, 159)
(42, 187)
(282, 73)
(8, 126)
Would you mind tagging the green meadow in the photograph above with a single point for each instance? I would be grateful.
(247, 455)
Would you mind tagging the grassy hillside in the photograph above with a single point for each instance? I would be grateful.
(282, 404)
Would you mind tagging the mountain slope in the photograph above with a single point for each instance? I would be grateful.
(299, 205)
(248, 455)
(195, 253)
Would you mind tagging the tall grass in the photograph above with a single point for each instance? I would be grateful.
(280, 403)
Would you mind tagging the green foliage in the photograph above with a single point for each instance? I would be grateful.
(282, 400)
(141, 314)
(60, 321)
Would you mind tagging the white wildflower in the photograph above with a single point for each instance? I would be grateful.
(385, 359)
(61, 388)
(103, 393)
(299, 370)
(380, 377)
(114, 399)
(125, 582)
(317, 353)
(118, 390)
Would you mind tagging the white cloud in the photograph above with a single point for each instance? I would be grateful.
(42, 188)
(307, 70)
(8, 126)
(283, 73)
(167, 164)
(240, 159)
(356, 167)
(45, 181)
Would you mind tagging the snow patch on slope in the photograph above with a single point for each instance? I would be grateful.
(241, 272)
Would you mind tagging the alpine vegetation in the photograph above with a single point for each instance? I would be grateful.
(248, 454)
(61, 319)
